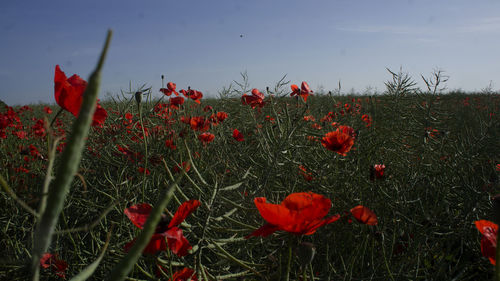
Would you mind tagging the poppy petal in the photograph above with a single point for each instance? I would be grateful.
(265, 230)
(177, 243)
(138, 214)
(183, 212)
(364, 215)
(481, 224)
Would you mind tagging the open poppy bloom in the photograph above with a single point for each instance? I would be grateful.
(176, 101)
(338, 141)
(489, 240)
(206, 138)
(364, 215)
(304, 91)
(299, 213)
(256, 99)
(57, 265)
(192, 94)
(138, 214)
(170, 89)
(69, 95)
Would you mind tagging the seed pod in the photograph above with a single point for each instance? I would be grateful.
(138, 97)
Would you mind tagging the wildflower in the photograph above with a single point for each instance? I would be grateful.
(489, 240)
(176, 101)
(170, 89)
(199, 123)
(364, 215)
(304, 91)
(57, 265)
(184, 274)
(138, 214)
(192, 94)
(184, 166)
(206, 138)
(299, 213)
(237, 135)
(141, 170)
(254, 100)
(338, 141)
(307, 175)
(221, 116)
(47, 109)
(207, 108)
(377, 171)
(68, 93)
(170, 144)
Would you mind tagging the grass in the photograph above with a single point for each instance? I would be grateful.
(440, 152)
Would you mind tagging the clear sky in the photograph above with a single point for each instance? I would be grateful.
(198, 43)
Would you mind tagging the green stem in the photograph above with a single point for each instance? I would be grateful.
(139, 107)
(70, 160)
(289, 262)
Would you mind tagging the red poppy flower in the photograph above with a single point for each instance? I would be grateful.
(184, 274)
(206, 138)
(47, 109)
(338, 141)
(307, 175)
(138, 214)
(377, 171)
(304, 91)
(299, 213)
(184, 166)
(176, 101)
(199, 123)
(221, 116)
(69, 95)
(256, 99)
(57, 265)
(192, 94)
(237, 135)
(364, 215)
(489, 240)
(207, 108)
(170, 89)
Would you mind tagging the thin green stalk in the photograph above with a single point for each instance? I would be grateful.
(123, 268)
(70, 160)
(139, 108)
(289, 262)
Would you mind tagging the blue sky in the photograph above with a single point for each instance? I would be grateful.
(198, 43)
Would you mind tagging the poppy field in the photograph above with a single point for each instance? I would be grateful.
(274, 182)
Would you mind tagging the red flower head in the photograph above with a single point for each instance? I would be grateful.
(489, 240)
(364, 215)
(307, 175)
(237, 135)
(138, 214)
(377, 171)
(57, 265)
(304, 91)
(338, 141)
(69, 95)
(47, 109)
(176, 101)
(170, 89)
(299, 213)
(199, 123)
(192, 94)
(184, 274)
(206, 138)
(184, 166)
(221, 116)
(256, 99)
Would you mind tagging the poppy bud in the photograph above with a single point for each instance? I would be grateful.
(305, 253)
(138, 97)
(162, 77)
